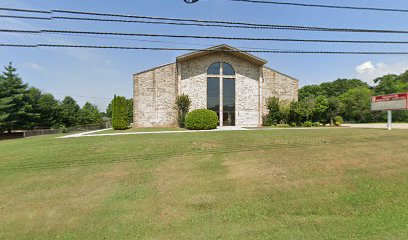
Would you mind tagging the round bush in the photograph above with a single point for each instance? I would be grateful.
(201, 119)
(338, 120)
(316, 124)
(292, 124)
(307, 124)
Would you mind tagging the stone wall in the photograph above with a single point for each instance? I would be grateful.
(276, 84)
(193, 81)
(155, 93)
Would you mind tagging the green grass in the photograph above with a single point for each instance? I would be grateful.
(297, 184)
(156, 129)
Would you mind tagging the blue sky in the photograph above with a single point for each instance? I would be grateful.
(96, 75)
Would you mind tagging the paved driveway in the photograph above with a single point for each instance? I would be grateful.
(377, 125)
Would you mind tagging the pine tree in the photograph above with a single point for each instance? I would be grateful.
(14, 103)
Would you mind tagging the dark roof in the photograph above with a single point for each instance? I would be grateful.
(224, 47)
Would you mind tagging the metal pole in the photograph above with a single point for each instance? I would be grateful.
(389, 120)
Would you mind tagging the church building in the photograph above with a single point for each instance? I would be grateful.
(233, 83)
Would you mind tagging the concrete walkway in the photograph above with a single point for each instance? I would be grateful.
(91, 133)
(377, 125)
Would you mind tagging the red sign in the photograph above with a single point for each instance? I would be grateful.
(390, 102)
(390, 97)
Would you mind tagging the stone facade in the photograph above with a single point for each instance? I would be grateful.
(154, 96)
(155, 90)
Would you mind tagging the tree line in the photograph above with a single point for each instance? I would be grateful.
(24, 108)
(348, 99)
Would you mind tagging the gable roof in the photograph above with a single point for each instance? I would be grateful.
(224, 48)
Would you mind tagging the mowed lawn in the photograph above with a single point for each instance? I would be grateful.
(272, 184)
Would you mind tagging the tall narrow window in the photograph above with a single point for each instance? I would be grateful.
(221, 75)
(213, 94)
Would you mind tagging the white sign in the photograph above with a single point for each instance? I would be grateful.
(398, 101)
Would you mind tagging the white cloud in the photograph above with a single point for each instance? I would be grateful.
(35, 66)
(368, 71)
(365, 68)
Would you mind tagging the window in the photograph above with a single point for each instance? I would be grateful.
(214, 69)
(213, 94)
(226, 79)
(227, 69)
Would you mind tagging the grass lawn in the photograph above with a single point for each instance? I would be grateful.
(157, 129)
(298, 184)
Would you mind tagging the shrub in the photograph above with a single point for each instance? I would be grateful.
(282, 125)
(267, 121)
(307, 124)
(183, 103)
(120, 117)
(292, 124)
(201, 119)
(316, 124)
(338, 120)
(272, 104)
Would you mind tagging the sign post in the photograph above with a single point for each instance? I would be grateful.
(389, 120)
(398, 101)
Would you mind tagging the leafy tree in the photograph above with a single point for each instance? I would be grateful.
(310, 91)
(89, 115)
(69, 112)
(333, 108)
(120, 117)
(308, 106)
(391, 83)
(272, 104)
(321, 104)
(356, 105)
(284, 111)
(14, 103)
(340, 86)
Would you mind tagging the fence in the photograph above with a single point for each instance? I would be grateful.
(32, 133)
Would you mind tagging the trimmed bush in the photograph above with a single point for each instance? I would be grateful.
(183, 103)
(292, 124)
(307, 124)
(316, 124)
(338, 120)
(282, 125)
(120, 117)
(201, 119)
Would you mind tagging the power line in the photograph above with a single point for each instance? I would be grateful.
(24, 10)
(204, 50)
(198, 22)
(201, 37)
(299, 4)
(25, 17)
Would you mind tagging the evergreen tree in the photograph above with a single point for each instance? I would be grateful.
(49, 111)
(129, 109)
(120, 118)
(14, 103)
